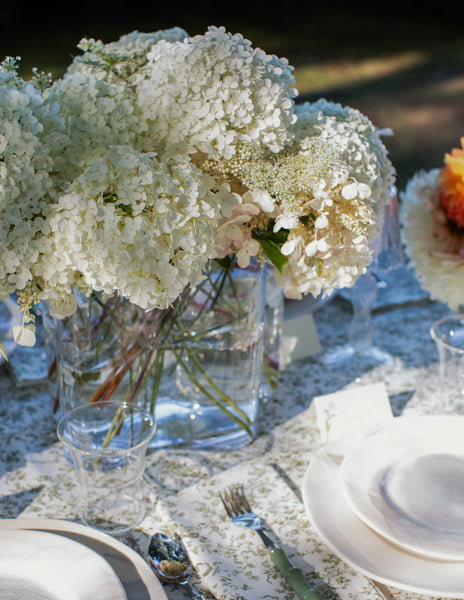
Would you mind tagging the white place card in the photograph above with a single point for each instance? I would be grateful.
(360, 407)
(299, 338)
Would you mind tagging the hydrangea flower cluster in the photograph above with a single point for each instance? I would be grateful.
(158, 152)
(129, 223)
(98, 114)
(214, 90)
(327, 191)
(433, 233)
(29, 128)
(121, 59)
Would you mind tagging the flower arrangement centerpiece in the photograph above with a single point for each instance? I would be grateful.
(432, 218)
(162, 158)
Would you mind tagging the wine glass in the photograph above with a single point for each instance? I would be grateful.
(388, 255)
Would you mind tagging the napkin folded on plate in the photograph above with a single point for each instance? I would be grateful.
(231, 561)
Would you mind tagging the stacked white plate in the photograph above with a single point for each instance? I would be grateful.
(47, 559)
(391, 504)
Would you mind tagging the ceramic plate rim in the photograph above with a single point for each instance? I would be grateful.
(153, 586)
(363, 538)
(107, 582)
(361, 504)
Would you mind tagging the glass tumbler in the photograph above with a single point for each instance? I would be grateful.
(107, 444)
(448, 334)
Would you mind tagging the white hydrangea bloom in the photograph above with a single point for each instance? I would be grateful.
(329, 186)
(138, 42)
(346, 199)
(364, 164)
(160, 151)
(121, 59)
(232, 237)
(214, 90)
(28, 127)
(97, 114)
(323, 271)
(130, 224)
(436, 252)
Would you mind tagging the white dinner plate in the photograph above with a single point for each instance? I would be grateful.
(362, 548)
(135, 575)
(38, 565)
(406, 481)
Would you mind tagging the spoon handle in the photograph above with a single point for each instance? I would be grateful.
(194, 593)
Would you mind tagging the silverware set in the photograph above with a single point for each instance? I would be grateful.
(164, 550)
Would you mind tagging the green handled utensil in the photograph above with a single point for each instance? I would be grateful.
(240, 512)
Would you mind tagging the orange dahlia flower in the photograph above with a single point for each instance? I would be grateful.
(452, 185)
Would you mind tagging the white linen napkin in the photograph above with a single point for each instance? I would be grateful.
(231, 561)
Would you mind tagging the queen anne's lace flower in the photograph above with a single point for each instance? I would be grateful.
(329, 187)
(435, 249)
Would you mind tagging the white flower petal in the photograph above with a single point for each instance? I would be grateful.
(24, 335)
(321, 222)
(350, 191)
(261, 198)
(288, 247)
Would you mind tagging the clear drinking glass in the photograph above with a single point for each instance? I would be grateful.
(448, 334)
(107, 444)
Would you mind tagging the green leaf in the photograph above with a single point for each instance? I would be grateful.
(280, 237)
(272, 251)
(3, 352)
(225, 262)
(306, 219)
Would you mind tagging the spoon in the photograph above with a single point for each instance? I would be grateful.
(170, 562)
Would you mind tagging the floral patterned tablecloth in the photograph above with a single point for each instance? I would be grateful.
(182, 485)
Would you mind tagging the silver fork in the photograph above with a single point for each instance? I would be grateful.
(240, 512)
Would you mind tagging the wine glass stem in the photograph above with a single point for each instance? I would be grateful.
(362, 295)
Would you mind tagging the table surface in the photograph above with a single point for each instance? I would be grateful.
(36, 481)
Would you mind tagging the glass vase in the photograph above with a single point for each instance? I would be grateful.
(197, 366)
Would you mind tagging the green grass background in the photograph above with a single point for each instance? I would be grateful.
(402, 66)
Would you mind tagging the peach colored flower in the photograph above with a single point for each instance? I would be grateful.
(452, 185)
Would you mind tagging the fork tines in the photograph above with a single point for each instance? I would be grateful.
(235, 501)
